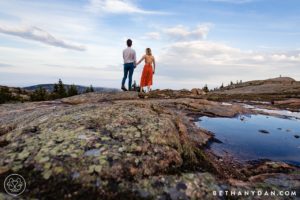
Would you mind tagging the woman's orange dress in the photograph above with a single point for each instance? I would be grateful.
(147, 76)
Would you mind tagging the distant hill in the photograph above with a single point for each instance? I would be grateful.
(17, 94)
(281, 88)
(268, 86)
(81, 89)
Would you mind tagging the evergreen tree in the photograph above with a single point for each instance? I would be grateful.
(54, 94)
(205, 88)
(19, 91)
(61, 89)
(89, 89)
(72, 90)
(5, 95)
(92, 88)
(222, 86)
(40, 94)
(55, 88)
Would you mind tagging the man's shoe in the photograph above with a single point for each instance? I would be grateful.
(124, 88)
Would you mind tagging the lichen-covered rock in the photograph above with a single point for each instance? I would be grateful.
(185, 186)
(111, 145)
(197, 91)
(289, 102)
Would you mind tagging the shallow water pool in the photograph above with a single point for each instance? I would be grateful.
(254, 137)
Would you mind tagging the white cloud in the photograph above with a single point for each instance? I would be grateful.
(279, 57)
(285, 57)
(152, 36)
(258, 58)
(47, 65)
(189, 61)
(211, 62)
(183, 33)
(5, 65)
(117, 7)
(37, 34)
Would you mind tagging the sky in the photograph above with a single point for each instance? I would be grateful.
(194, 42)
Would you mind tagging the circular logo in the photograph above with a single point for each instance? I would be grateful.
(14, 184)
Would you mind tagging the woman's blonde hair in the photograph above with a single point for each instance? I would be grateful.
(148, 52)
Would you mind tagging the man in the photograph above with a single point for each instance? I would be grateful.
(129, 57)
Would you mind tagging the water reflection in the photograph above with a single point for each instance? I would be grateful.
(252, 137)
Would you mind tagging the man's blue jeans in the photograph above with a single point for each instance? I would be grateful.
(128, 68)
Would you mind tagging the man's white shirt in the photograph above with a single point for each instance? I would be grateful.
(129, 55)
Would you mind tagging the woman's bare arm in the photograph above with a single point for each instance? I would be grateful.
(143, 58)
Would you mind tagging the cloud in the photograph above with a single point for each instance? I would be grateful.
(74, 67)
(5, 65)
(285, 58)
(117, 7)
(152, 36)
(180, 32)
(213, 63)
(37, 34)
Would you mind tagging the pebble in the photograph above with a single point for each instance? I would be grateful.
(264, 131)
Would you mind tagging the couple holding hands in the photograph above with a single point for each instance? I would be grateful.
(129, 57)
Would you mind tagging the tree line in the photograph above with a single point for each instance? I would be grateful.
(60, 90)
(6, 95)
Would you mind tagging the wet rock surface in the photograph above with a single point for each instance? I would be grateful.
(125, 146)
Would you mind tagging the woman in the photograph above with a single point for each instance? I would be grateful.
(148, 71)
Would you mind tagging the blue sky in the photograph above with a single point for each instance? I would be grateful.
(195, 42)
